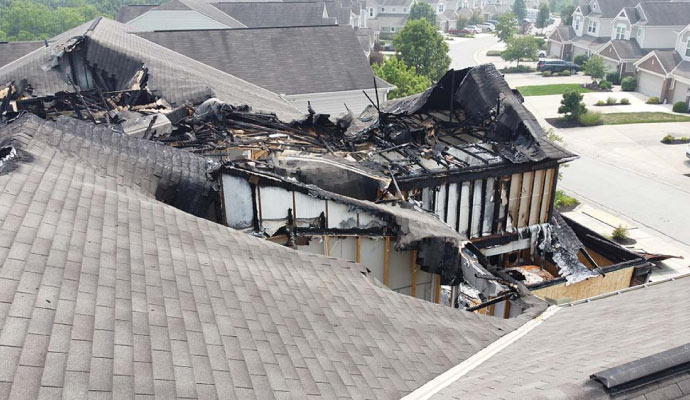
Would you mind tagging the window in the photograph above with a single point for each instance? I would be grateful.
(594, 6)
(392, 29)
(440, 7)
(383, 9)
(577, 23)
(639, 33)
(687, 49)
(592, 28)
(620, 32)
(404, 9)
(371, 12)
(395, 9)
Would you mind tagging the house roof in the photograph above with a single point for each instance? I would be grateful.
(337, 11)
(275, 14)
(632, 14)
(565, 33)
(556, 359)
(291, 60)
(628, 49)
(590, 41)
(10, 51)
(665, 13)
(611, 8)
(387, 20)
(109, 291)
(131, 11)
(175, 77)
(682, 69)
(203, 7)
(401, 3)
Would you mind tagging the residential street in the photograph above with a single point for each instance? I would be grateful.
(463, 52)
(623, 169)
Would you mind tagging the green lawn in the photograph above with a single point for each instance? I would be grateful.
(545, 90)
(641, 118)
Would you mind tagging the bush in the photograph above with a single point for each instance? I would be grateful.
(494, 53)
(600, 103)
(516, 69)
(614, 78)
(680, 107)
(565, 73)
(611, 101)
(572, 105)
(653, 100)
(668, 139)
(605, 84)
(619, 233)
(546, 73)
(562, 200)
(580, 60)
(625, 101)
(590, 118)
(628, 84)
(541, 43)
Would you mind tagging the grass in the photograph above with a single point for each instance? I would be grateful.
(545, 90)
(494, 53)
(641, 118)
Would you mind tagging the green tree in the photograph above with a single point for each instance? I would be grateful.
(520, 9)
(405, 78)
(572, 105)
(567, 15)
(476, 17)
(543, 16)
(595, 68)
(506, 27)
(419, 45)
(461, 23)
(423, 10)
(520, 48)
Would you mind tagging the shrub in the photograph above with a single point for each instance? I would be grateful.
(541, 43)
(590, 118)
(572, 105)
(614, 78)
(494, 53)
(519, 68)
(680, 107)
(565, 73)
(628, 84)
(605, 84)
(668, 139)
(685, 138)
(600, 103)
(546, 73)
(620, 233)
(653, 100)
(562, 200)
(611, 101)
(580, 60)
(625, 101)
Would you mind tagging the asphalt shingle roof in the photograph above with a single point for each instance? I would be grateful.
(276, 14)
(666, 13)
(628, 49)
(10, 51)
(555, 360)
(290, 60)
(203, 7)
(106, 291)
(175, 77)
(129, 12)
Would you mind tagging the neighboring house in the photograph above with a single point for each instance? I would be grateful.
(130, 11)
(493, 11)
(374, 8)
(637, 30)
(447, 20)
(388, 25)
(11, 51)
(666, 73)
(278, 14)
(303, 64)
(183, 15)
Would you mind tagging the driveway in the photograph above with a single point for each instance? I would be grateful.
(463, 52)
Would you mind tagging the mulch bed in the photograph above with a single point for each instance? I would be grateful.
(562, 124)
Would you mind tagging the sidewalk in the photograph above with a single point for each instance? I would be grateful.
(603, 223)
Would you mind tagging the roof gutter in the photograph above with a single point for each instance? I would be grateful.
(442, 381)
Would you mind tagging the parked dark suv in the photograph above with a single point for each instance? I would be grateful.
(557, 66)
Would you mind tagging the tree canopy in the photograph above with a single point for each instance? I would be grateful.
(567, 15)
(595, 67)
(461, 23)
(405, 78)
(520, 48)
(419, 45)
(506, 27)
(476, 18)
(42, 19)
(520, 9)
(543, 16)
(423, 10)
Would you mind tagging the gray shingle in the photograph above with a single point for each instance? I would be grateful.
(276, 14)
(263, 326)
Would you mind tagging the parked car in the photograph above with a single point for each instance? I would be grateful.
(491, 21)
(486, 27)
(474, 29)
(557, 66)
(542, 53)
(687, 151)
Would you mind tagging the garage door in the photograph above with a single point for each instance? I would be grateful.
(680, 92)
(555, 50)
(649, 85)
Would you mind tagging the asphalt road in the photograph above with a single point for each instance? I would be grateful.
(462, 51)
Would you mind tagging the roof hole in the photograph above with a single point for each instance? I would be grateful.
(7, 153)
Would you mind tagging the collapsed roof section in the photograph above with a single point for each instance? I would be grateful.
(103, 54)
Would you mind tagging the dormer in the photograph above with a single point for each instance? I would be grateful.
(683, 43)
(441, 7)
(594, 6)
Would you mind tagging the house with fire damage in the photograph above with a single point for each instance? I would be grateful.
(446, 195)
